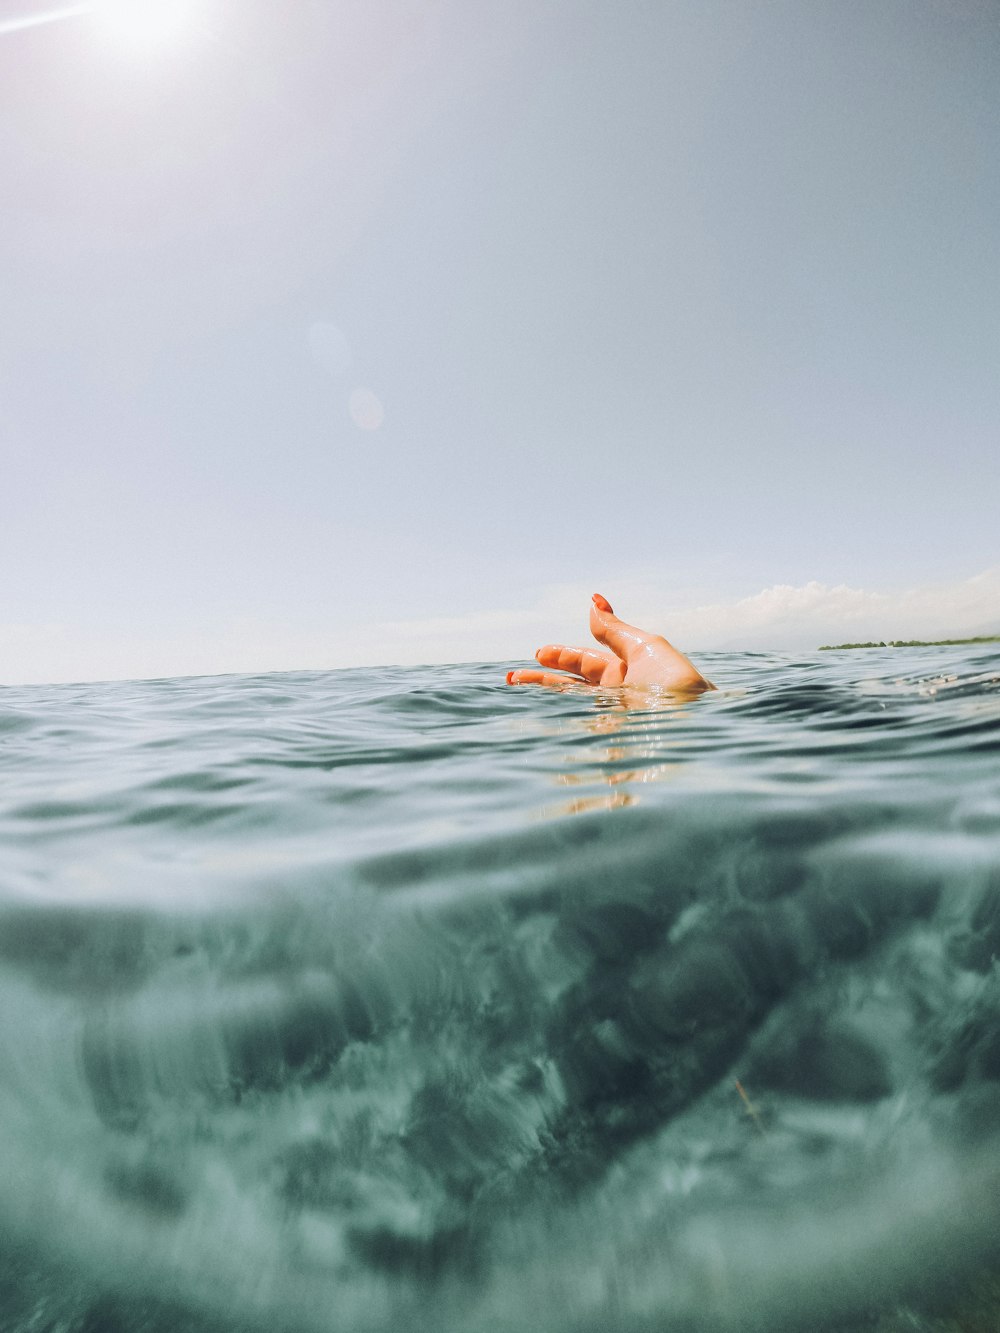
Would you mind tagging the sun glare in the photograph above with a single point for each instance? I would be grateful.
(147, 25)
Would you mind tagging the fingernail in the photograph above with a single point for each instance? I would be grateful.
(510, 678)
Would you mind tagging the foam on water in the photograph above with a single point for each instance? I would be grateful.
(367, 1000)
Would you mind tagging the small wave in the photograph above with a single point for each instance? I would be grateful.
(406, 996)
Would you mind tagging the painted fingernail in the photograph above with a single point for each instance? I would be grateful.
(510, 678)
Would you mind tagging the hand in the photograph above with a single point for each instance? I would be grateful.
(637, 658)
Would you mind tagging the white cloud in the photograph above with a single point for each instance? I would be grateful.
(783, 618)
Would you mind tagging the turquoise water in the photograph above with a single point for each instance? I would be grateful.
(399, 999)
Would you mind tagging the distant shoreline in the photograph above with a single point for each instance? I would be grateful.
(910, 643)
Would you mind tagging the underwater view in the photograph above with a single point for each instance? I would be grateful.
(399, 999)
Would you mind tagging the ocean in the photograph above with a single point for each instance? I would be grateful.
(399, 999)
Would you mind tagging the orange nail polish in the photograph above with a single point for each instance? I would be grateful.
(510, 678)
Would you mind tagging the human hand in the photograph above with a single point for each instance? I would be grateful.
(637, 658)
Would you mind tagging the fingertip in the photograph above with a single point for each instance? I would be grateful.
(510, 678)
(601, 603)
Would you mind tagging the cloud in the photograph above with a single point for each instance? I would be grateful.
(787, 617)
(784, 617)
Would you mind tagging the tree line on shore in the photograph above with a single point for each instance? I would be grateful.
(910, 643)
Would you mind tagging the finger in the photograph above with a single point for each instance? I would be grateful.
(622, 639)
(585, 662)
(550, 678)
(649, 659)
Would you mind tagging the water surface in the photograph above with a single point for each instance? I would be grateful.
(370, 1000)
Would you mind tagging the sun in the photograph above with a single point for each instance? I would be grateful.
(147, 25)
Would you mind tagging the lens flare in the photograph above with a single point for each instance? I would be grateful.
(26, 21)
(366, 411)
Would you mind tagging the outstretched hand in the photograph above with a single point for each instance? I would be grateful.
(636, 658)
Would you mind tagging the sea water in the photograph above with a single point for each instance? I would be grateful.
(403, 1000)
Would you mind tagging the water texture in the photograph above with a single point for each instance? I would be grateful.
(371, 1000)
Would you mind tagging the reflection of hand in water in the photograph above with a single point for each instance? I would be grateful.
(633, 743)
(637, 658)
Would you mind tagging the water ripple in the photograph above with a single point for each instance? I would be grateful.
(437, 1004)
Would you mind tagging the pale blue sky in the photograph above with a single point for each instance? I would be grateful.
(678, 300)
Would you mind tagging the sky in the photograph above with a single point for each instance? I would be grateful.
(357, 332)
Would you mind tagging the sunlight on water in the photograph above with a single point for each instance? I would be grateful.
(430, 1003)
